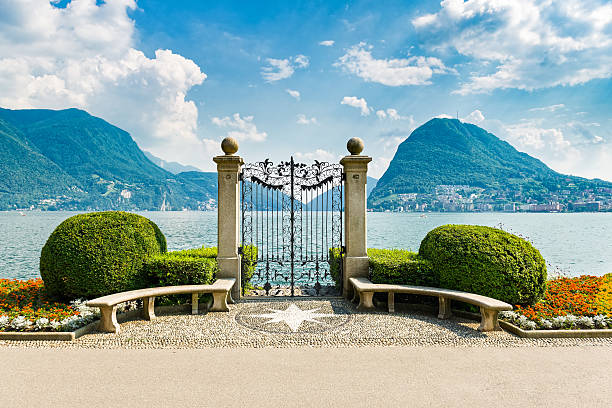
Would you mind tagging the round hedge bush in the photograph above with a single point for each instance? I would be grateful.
(95, 254)
(486, 261)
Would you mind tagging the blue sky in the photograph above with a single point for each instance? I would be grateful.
(301, 78)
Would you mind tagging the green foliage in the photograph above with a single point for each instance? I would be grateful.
(389, 266)
(249, 258)
(249, 262)
(95, 254)
(174, 269)
(486, 261)
(402, 267)
(203, 252)
(335, 265)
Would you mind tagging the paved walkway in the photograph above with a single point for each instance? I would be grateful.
(314, 323)
(306, 353)
(309, 377)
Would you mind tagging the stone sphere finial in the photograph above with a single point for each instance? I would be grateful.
(229, 145)
(355, 145)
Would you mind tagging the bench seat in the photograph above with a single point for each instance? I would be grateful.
(489, 307)
(220, 290)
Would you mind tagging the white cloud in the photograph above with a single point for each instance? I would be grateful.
(327, 43)
(303, 120)
(240, 128)
(392, 114)
(278, 69)
(531, 44)
(359, 103)
(414, 70)
(283, 68)
(585, 133)
(530, 136)
(319, 154)
(444, 116)
(293, 93)
(378, 166)
(301, 61)
(578, 156)
(424, 20)
(84, 56)
(475, 117)
(550, 108)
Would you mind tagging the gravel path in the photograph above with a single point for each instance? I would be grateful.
(312, 323)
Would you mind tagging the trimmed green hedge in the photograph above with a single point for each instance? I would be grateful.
(173, 269)
(249, 256)
(486, 261)
(335, 263)
(95, 254)
(203, 252)
(402, 267)
(396, 266)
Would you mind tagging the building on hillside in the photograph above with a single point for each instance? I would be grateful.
(586, 207)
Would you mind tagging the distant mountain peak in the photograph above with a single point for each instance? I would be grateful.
(447, 152)
(172, 167)
(69, 159)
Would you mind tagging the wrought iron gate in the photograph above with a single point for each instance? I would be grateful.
(292, 216)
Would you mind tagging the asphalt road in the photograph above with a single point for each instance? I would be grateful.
(308, 377)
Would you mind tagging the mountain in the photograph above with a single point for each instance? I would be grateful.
(444, 153)
(172, 167)
(25, 173)
(68, 159)
(370, 185)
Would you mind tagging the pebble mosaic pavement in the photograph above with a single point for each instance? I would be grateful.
(331, 322)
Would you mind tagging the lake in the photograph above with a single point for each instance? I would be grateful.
(572, 243)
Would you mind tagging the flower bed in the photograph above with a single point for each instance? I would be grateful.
(569, 303)
(24, 307)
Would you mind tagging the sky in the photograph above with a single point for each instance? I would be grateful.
(301, 78)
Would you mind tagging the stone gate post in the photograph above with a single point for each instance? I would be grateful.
(356, 261)
(228, 213)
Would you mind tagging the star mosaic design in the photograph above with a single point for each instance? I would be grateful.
(293, 316)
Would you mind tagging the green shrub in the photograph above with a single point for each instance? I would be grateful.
(402, 267)
(249, 257)
(95, 254)
(249, 262)
(389, 266)
(486, 261)
(335, 265)
(173, 269)
(203, 252)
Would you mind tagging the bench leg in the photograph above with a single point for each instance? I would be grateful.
(355, 298)
(148, 308)
(195, 303)
(365, 301)
(219, 302)
(444, 312)
(488, 321)
(230, 299)
(391, 302)
(108, 319)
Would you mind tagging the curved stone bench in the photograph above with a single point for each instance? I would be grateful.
(489, 307)
(220, 290)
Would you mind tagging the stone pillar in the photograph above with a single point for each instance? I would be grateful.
(356, 261)
(228, 213)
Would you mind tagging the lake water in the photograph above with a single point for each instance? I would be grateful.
(574, 244)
